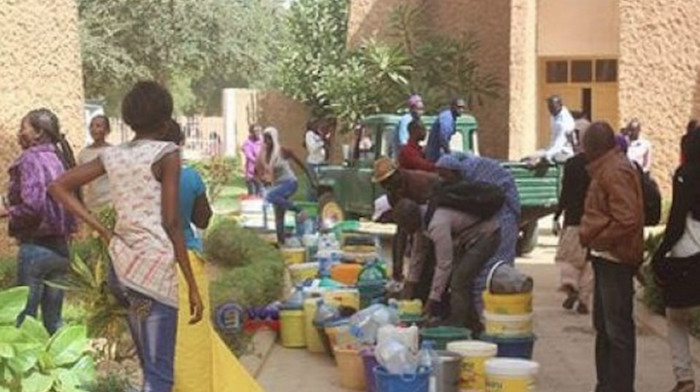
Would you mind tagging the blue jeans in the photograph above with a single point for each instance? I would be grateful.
(36, 265)
(153, 327)
(278, 195)
(615, 346)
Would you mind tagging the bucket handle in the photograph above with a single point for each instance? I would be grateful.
(407, 377)
(489, 277)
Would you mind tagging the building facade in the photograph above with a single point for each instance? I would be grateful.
(40, 66)
(614, 60)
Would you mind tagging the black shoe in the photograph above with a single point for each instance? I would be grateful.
(570, 300)
(582, 309)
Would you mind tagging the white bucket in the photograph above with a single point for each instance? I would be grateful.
(474, 356)
(503, 325)
(511, 375)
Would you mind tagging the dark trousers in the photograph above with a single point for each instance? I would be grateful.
(615, 348)
(468, 265)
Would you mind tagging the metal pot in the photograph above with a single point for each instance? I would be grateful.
(447, 372)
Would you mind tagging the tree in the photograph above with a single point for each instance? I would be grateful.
(196, 47)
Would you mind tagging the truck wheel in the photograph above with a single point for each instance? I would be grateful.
(329, 211)
(527, 239)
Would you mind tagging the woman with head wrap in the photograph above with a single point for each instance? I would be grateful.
(274, 168)
(415, 111)
(456, 166)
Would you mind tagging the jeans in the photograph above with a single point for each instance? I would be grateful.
(310, 190)
(153, 327)
(678, 321)
(36, 265)
(254, 187)
(615, 348)
(278, 195)
(467, 267)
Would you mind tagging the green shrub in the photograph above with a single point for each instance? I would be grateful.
(110, 382)
(256, 280)
(216, 172)
(32, 360)
(229, 245)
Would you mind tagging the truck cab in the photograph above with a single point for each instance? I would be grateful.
(347, 191)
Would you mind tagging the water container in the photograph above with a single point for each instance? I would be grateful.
(370, 362)
(387, 382)
(442, 336)
(313, 339)
(447, 371)
(296, 299)
(508, 325)
(407, 336)
(516, 347)
(365, 324)
(292, 327)
(396, 357)
(474, 356)
(351, 368)
(325, 313)
(371, 282)
(511, 375)
(428, 361)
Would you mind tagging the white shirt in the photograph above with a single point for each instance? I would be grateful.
(639, 151)
(562, 130)
(315, 147)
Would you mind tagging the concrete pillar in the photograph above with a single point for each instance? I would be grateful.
(228, 111)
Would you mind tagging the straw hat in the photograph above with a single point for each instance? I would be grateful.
(383, 168)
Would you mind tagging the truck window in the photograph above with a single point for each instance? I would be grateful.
(388, 135)
(457, 142)
(364, 144)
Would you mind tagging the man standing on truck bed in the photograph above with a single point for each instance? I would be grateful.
(415, 110)
(412, 156)
(442, 130)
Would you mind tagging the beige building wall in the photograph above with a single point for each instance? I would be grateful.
(523, 78)
(659, 73)
(488, 20)
(577, 28)
(40, 66)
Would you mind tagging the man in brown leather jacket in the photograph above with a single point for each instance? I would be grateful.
(612, 228)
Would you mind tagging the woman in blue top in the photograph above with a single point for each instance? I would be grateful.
(202, 360)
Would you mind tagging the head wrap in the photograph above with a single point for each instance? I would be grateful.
(414, 100)
(450, 162)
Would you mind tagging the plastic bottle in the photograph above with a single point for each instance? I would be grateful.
(428, 360)
(396, 357)
(365, 324)
(325, 313)
(296, 299)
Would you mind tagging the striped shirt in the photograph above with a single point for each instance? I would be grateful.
(141, 252)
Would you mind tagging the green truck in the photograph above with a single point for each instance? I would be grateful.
(347, 191)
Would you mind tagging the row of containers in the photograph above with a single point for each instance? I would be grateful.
(320, 316)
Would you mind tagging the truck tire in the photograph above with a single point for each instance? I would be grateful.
(527, 239)
(329, 211)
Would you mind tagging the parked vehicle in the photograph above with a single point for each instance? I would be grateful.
(347, 191)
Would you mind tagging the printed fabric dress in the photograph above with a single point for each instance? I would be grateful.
(203, 363)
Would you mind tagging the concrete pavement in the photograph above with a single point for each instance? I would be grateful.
(564, 349)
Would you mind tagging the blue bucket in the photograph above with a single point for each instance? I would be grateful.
(520, 347)
(387, 382)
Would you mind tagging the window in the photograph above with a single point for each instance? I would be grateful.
(606, 71)
(581, 71)
(557, 71)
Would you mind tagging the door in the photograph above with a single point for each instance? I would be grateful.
(586, 85)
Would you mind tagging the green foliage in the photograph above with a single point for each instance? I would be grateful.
(256, 281)
(228, 245)
(197, 47)
(217, 172)
(31, 360)
(318, 69)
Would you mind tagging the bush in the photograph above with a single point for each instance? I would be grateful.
(110, 383)
(216, 172)
(255, 279)
(229, 245)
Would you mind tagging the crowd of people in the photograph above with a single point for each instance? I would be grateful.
(156, 269)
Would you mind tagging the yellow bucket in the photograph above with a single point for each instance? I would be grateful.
(292, 328)
(511, 375)
(510, 304)
(313, 339)
(301, 272)
(351, 369)
(343, 297)
(508, 326)
(294, 255)
(410, 307)
(474, 356)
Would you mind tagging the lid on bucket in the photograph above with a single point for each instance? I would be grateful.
(473, 348)
(511, 367)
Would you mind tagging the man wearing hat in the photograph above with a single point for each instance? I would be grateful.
(415, 111)
(401, 184)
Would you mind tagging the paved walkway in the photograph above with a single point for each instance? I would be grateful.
(564, 349)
